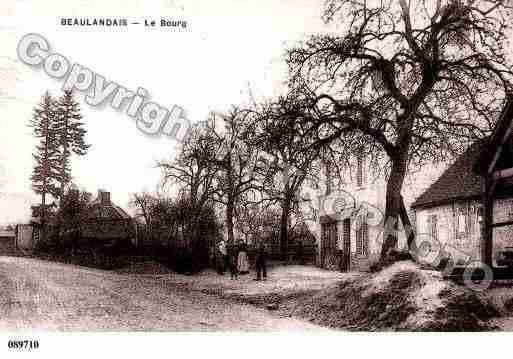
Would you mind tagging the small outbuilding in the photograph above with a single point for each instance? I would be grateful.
(7, 246)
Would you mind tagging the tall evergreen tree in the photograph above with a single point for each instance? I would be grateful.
(70, 134)
(46, 175)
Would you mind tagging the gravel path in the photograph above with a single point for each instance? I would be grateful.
(37, 294)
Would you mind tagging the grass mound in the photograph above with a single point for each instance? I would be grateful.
(399, 297)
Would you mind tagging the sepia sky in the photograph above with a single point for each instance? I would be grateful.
(228, 47)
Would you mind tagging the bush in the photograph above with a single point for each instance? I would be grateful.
(191, 258)
(52, 245)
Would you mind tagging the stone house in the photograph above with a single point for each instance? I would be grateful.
(351, 214)
(450, 212)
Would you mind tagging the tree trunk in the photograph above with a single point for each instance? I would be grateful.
(43, 235)
(45, 182)
(230, 204)
(408, 229)
(394, 203)
(284, 229)
(229, 222)
(64, 160)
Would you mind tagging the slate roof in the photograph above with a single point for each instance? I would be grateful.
(458, 182)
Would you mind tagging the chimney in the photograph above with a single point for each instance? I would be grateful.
(104, 196)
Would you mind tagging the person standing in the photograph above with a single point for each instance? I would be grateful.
(260, 263)
(233, 263)
(300, 253)
(224, 255)
(242, 260)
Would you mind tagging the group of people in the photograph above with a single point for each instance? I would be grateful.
(236, 260)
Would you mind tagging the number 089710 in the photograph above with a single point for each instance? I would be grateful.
(23, 344)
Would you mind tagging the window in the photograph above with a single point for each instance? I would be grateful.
(359, 171)
(362, 236)
(480, 215)
(433, 226)
(462, 223)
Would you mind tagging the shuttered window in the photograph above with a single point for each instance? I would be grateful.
(362, 237)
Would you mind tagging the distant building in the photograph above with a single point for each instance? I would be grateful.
(6, 234)
(103, 220)
(26, 236)
(101, 223)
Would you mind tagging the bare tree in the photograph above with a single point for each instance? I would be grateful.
(144, 203)
(235, 160)
(290, 158)
(258, 222)
(405, 82)
(193, 172)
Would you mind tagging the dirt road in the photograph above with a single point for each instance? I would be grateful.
(36, 294)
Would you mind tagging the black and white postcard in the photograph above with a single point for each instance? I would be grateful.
(255, 178)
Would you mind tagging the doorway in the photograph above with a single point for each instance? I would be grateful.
(345, 260)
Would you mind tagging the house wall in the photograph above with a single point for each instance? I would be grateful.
(466, 247)
(462, 247)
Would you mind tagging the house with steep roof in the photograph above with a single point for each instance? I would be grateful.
(451, 212)
(104, 221)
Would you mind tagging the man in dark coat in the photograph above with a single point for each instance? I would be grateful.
(232, 258)
(260, 262)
